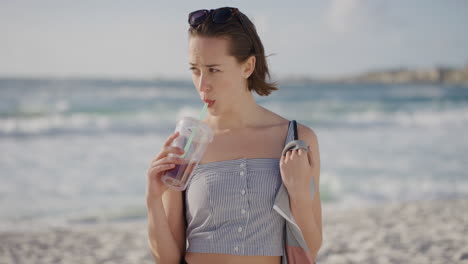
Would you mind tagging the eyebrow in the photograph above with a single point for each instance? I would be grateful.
(208, 65)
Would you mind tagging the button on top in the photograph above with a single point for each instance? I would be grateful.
(239, 229)
(242, 211)
(236, 248)
(242, 165)
(243, 192)
(241, 173)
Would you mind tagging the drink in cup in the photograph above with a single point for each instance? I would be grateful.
(194, 137)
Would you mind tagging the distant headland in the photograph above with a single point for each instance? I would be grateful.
(435, 75)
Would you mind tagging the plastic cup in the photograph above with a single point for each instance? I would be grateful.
(178, 177)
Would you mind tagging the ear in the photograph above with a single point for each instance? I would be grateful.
(248, 67)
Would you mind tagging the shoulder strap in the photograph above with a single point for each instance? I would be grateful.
(182, 261)
(292, 132)
(295, 129)
(184, 206)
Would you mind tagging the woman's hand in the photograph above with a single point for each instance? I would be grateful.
(159, 165)
(296, 171)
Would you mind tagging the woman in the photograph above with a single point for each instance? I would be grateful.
(228, 217)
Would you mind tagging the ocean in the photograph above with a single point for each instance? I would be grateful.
(76, 150)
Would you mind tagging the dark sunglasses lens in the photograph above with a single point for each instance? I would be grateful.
(197, 17)
(222, 15)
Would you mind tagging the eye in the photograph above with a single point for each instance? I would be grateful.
(193, 69)
(214, 70)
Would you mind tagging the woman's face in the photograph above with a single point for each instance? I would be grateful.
(216, 75)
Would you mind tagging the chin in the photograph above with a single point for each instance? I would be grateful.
(213, 111)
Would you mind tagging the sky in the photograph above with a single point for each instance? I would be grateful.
(148, 39)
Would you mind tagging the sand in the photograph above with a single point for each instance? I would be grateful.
(411, 232)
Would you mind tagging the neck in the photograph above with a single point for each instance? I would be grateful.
(240, 116)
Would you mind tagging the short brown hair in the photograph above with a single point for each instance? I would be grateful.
(242, 45)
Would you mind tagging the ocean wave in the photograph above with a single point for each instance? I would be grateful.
(128, 121)
(341, 114)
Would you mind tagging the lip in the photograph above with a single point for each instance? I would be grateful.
(209, 102)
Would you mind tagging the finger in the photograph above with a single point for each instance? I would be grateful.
(310, 154)
(168, 160)
(166, 150)
(171, 149)
(309, 157)
(304, 155)
(159, 168)
(288, 156)
(282, 159)
(171, 138)
(166, 144)
(293, 154)
(176, 160)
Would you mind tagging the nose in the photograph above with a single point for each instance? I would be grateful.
(203, 83)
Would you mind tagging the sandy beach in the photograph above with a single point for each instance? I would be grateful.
(410, 232)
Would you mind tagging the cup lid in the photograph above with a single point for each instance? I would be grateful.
(203, 132)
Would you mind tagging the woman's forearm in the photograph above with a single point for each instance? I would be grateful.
(302, 208)
(162, 244)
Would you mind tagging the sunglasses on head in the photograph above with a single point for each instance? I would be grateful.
(219, 16)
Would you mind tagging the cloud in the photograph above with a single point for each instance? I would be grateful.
(350, 16)
(342, 13)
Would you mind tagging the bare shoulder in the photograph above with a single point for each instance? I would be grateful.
(307, 134)
(310, 137)
(274, 119)
(304, 132)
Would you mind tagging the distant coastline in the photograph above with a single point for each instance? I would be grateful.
(402, 75)
(436, 75)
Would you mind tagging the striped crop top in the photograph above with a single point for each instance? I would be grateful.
(229, 207)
